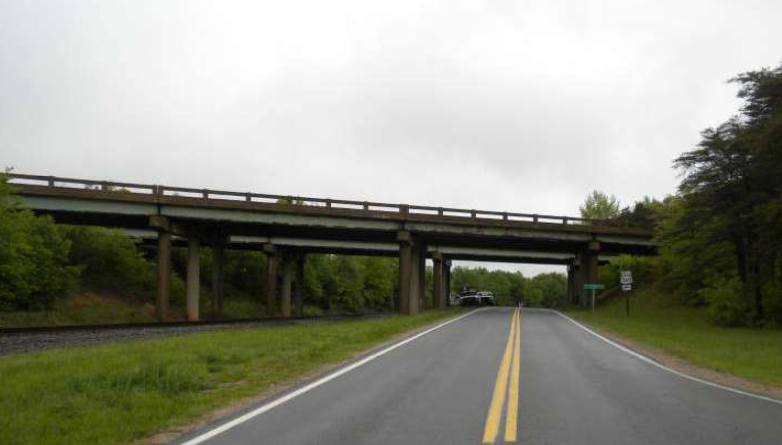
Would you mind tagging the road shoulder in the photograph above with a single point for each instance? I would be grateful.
(685, 367)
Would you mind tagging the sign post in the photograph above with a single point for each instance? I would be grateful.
(626, 279)
(593, 287)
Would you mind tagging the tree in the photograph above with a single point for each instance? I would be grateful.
(599, 205)
(732, 192)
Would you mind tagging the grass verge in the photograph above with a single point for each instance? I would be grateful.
(122, 392)
(657, 321)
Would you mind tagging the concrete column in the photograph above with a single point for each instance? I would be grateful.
(447, 271)
(271, 279)
(410, 277)
(218, 261)
(405, 276)
(285, 301)
(570, 296)
(438, 291)
(578, 283)
(193, 277)
(421, 248)
(414, 302)
(163, 274)
(298, 296)
(589, 271)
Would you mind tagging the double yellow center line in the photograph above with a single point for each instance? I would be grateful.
(508, 368)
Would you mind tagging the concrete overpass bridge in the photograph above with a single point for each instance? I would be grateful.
(276, 224)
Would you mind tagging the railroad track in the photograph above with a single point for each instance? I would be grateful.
(18, 340)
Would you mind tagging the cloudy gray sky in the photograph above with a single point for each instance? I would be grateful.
(499, 105)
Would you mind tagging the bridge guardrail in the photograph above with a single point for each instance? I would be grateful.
(208, 194)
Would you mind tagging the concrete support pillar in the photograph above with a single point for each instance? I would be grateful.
(409, 274)
(415, 281)
(193, 277)
(285, 301)
(438, 290)
(271, 279)
(447, 271)
(421, 249)
(578, 285)
(163, 274)
(405, 275)
(588, 269)
(218, 262)
(298, 296)
(570, 297)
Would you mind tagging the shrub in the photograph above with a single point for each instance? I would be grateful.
(33, 257)
(726, 305)
(109, 259)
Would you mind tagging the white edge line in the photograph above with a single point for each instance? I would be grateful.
(661, 366)
(275, 403)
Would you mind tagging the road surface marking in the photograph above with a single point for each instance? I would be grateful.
(498, 398)
(275, 403)
(512, 415)
(661, 366)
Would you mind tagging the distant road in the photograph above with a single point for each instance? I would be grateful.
(567, 387)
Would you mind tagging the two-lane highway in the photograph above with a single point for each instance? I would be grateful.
(494, 376)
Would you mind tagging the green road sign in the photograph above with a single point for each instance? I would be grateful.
(594, 286)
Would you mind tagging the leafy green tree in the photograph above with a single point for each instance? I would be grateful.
(599, 205)
(378, 282)
(553, 288)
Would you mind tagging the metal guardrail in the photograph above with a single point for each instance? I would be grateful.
(207, 194)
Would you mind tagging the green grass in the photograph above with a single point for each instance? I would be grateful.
(122, 392)
(655, 320)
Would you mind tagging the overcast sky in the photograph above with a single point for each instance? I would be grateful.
(498, 105)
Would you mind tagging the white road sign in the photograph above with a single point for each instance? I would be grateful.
(626, 277)
(627, 287)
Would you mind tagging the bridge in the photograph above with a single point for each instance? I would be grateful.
(294, 226)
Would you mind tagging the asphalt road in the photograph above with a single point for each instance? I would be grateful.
(443, 388)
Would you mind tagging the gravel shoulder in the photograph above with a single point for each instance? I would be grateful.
(24, 342)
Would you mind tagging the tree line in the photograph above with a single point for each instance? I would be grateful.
(720, 235)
